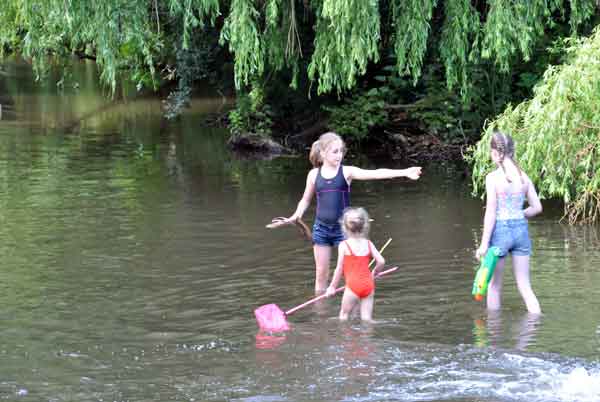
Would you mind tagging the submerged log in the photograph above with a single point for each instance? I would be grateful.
(5, 100)
(7, 111)
(256, 143)
(74, 124)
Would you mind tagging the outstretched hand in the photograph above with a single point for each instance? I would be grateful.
(279, 221)
(293, 220)
(413, 172)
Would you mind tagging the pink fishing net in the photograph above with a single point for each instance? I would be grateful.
(270, 318)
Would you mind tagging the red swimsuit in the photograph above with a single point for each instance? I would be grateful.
(357, 274)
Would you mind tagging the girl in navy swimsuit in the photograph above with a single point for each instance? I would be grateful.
(330, 181)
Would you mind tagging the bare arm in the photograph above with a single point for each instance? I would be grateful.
(356, 173)
(379, 260)
(337, 274)
(309, 192)
(535, 205)
(489, 219)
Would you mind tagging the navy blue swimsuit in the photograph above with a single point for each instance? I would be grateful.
(333, 196)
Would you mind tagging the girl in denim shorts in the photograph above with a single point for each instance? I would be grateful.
(330, 181)
(505, 221)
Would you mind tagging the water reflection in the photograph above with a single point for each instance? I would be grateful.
(499, 329)
(267, 340)
(359, 354)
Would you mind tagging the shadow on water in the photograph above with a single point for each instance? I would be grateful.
(134, 253)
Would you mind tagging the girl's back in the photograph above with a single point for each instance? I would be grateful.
(511, 190)
(357, 274)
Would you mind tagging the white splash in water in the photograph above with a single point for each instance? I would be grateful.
(579, 385)
(449, 374)
(534, 379)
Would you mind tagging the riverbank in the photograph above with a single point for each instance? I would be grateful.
(410, 146)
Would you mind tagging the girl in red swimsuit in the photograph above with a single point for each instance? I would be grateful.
(354, 255)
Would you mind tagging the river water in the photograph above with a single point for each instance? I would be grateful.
(133, 252)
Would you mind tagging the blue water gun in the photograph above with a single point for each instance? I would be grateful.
(485, 272)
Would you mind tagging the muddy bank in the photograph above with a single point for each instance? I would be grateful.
(410, 147)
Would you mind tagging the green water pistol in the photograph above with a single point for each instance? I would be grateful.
(485, 272)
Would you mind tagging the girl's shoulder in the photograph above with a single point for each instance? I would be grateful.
(359, 245)
(494, 174)
(525, 177)
(526, 180)
(494, 177)
(349, 172)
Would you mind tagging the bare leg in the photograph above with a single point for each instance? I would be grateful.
(322, 258)
(366, 307)
(521, 271)
(355, 311)
(494, 294)
(348, 301)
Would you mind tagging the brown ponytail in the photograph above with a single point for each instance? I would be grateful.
(315, 154)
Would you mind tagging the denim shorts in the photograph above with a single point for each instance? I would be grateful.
(327, 234)
(511, 236)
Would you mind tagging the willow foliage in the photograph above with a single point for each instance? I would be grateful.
(262, 40)
(459, 44)
(332, 42)
(118, 32)
(557, 134)
(411, 20)
(242, 32)
(8, 27)
(513, 26)
(193, 13)
(347, 38)
(281, 36)
(122, 35)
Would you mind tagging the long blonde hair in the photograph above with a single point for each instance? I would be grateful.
(505, 146)
(320, 145)
(355, 221)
